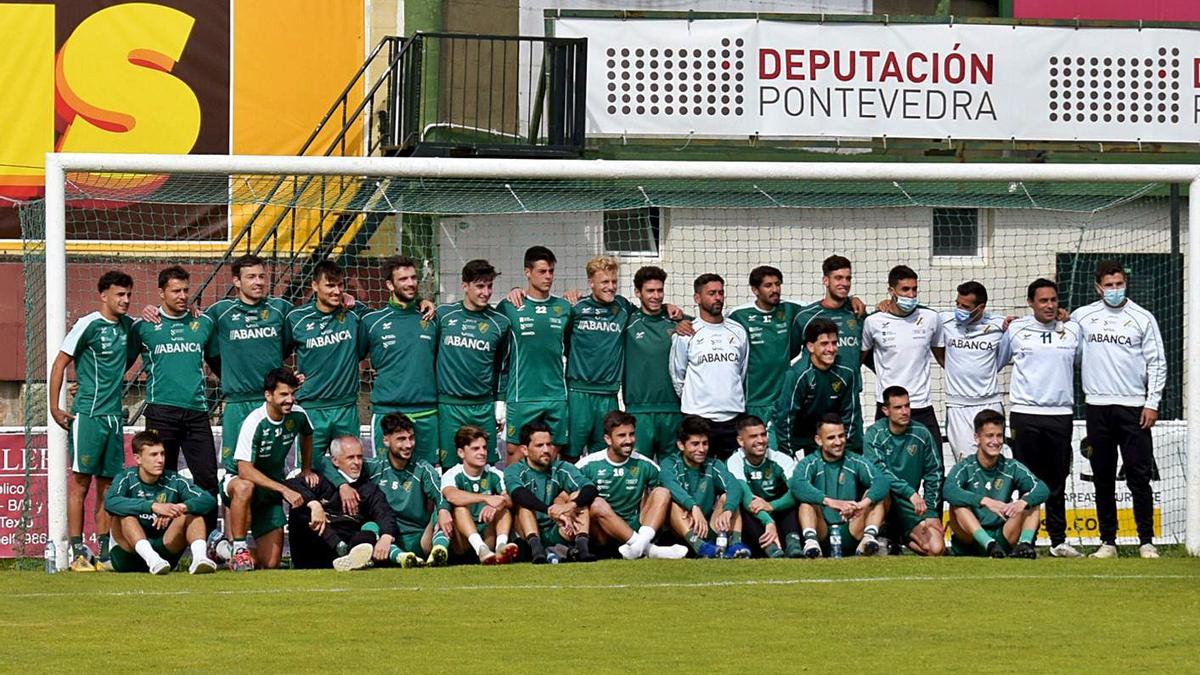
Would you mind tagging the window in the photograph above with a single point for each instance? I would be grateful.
(956, 233)
(633, 231)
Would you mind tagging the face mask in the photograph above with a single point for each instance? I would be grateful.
(1114, 296)
(962, 315)
(906, 305)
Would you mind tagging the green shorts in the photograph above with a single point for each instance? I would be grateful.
(968, 547)
(97, 445)
(452, 417)
(902, 517)
(231, 424)
(552, 536)
(656, 434)
(586, 411)
(553, 413)
(124, 561)
(425, 423)
(330, 422)
(266, 508)
(410, 542)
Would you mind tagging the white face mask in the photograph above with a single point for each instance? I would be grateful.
(1113, 297)
(905, 304)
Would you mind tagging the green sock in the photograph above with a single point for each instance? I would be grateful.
(810, 533)
(693, 541)
(371, 527)
(794, 537)
(1027, 536)
(440, 538)
(735, 537)
(104, 539)
(394, 553)
(871, 530)
(773, 551)
(982, 538)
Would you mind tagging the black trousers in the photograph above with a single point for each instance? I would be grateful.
(722, 438)
(1111, 428)
(925, 416)
(1043, 444)
(786, 522)
(189, 431)
(313, 551)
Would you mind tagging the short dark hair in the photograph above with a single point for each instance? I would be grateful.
(396, 262)
(834, 263)
(818, 327)
(535, 254)
(173, 272)
(988, 417)
(328, 269)
(692, 425)
(648, 273)
(618, 418)
(829, 418)
(892, 392)
(747, 421)
(900, 273)
(705, 279)
(759, 274)
(144, 439)
(1107, 267)
(478, 270)
(538, 426)
(394, 421)
(1040, 283)
(973, 288)
(114, 278)
(467, 435)
(242, 262)
(280, 376)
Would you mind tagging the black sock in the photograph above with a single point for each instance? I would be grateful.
(581, 545)
(535, 547)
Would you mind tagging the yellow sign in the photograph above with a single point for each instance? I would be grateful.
(1084, 523)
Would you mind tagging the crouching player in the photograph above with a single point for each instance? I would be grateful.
(705, 498)
(474, 491)
(839, 490)
(632, 504)
(984, 517)
(156, 514)
(769, 519)
(551, 497)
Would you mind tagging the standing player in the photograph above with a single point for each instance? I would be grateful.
(1124, 372)
(904, 454)
(769, 518)
(537, 386)
(838, 490)
(1043, 351)
(648, 391)
(474, 344)
(709, 367)
(897, 345)
(176, 407)
(816, 384)
(253, 486)
(984, 517)
(970, 339)
(403, 346)
(632, 504)
(768, 323)
(157, 513)
(99, 346)
(481, 508)
(706, 499)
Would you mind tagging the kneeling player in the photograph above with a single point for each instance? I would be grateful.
(769, 518)
(632, 505)
(156, 514)
(903, 451)
(979, 489)
(480, 508)
(551, 496)
(705, 498)
(253, 486)
(838, 490)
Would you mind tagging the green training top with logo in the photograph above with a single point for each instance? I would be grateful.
(403, 350)
(621, 485)
(648, 386)
(249, 341)
(545, 485)
(414, 492)
(265, 443)
(699, 486)
(969, 482)
(848, 478)
(766, 480)
(805, 394)
(850, 328)
(173, 351)
(771, 349)
(129, 496)
(538, 332)
(471, 352)
(596, 346)
(328, 350)
(102, 352)
(907, 460)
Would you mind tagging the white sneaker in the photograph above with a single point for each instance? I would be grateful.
(1148, 551)
(868, 546)
(1105, 551)
(673, 552)
(1065, 550)
(160, 567)
(358, 558)
(202, 566)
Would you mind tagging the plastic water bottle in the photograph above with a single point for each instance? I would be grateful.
(51, 556)
(552, 558)
(722, 543)
(835, 540)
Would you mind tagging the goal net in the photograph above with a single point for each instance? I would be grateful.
(1001, 225)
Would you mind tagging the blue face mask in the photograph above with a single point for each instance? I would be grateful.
(961, 315)
(906, 305)
(1113, 297)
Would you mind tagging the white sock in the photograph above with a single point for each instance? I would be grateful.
(147, 552)
(645, 535)
(199, 550)
(501, 540)
(477, 544)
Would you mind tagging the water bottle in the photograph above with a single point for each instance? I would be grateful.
(835, 540)
(51, 556)
(552, 558)
(722, 543)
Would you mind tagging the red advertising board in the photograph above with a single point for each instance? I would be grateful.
(1108, 10)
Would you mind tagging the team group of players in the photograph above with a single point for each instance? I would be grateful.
(631, 430)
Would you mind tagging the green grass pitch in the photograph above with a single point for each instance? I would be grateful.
(855, 615)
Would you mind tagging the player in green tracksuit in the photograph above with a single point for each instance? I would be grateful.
(905, 453)
(768, 324)
(480, 506)
(841, 490)
(816, 384)
(157, 513)
(769, 518)
(473, 344)
(633, 504)
(403, 349)
(550, 496)
(648, 391)
(705, 498)
(984, 517)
